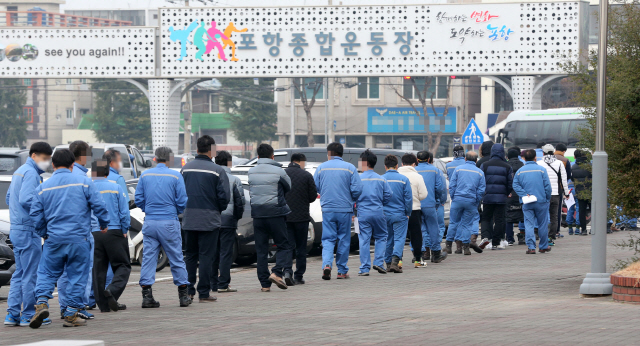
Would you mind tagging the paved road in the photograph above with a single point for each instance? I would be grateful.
(499, 297)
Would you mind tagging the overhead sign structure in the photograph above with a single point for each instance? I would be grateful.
(124, 52)
(435, 39)
(472, 135)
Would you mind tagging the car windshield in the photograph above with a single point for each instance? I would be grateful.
(4, 187)
(529, 133)
(9, 164)
(96, 153)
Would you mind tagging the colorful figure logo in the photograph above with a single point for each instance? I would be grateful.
(206, 39)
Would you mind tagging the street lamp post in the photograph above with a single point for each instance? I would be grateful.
(597, 282)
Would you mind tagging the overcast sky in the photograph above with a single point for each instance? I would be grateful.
(139, 4)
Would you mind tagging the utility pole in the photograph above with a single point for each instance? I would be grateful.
(330, 133)
(187, 123)
(292, 136)
(598, 281)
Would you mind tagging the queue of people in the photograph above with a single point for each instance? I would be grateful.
(84, 221)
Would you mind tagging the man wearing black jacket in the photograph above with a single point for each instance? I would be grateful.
(582, 180)
(227, 238)
(208, 195)
(485, 153)
(499, 179)
(514, 208)
(303, 192)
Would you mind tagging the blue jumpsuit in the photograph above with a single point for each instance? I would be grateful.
(61, 211)
(27, 247)
(466, 188)
(475, 224)
(532, 179)
(63, 282)
(161, 195)
(339, 186)
(440, 202)
(375, 195)
(397, 212)
(435, 186)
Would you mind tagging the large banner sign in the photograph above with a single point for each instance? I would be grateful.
(405, 120)
(437, 39)
(88, 52)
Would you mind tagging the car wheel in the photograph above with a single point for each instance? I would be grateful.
(246, 260)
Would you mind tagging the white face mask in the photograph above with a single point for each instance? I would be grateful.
(43, 165)
(119, 169)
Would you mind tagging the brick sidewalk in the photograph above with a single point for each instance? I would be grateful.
(498, 297)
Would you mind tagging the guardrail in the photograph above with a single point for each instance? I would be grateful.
(49, 19)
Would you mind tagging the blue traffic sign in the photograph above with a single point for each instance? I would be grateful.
(472, 134)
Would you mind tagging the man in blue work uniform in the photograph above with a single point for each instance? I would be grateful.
(533, 180)
(430, 229)
(26, 244)
(442, 199)
(111, 248)
(339, 186)
(81, 152)
(60, 212)
(375, 196)
(397, 212)
(466, 189)
(458, 159)
(161, 195)
(114, 159)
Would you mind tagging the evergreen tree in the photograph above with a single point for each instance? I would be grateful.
(121, 114)
(252, 112)
(13, 128)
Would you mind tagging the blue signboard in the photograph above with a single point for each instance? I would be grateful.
(405, 120)
(472, 135)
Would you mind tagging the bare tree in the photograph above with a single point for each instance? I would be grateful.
(307, 103)
(426, 101)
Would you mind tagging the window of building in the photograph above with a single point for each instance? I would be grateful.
(26, 82)
(83, 81)
(383, 142)
(214, 103)
(437, 87)
(27, 114)
(69, 81)
(69, 116)
(502, 99)
(369, 88)
(308, 84)
(352, 141)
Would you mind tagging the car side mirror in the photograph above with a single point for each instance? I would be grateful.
(147, 163)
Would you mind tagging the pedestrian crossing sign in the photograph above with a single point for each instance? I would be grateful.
(472, 134)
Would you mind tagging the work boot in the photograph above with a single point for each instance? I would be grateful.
(426, 254)
(438, 256)
(113, 303)
(465, 248)
(458, 247)
(147, 298)
(42, 312)
(473, 245)
(447, 247)
(288, 279)
(278, 281)
(393, 267)
(183, 295)
(521, 239)
(388, 267)
(74, 321)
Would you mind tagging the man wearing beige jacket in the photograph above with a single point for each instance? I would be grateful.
(419, 192)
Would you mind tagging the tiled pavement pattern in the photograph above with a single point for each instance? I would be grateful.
(498, 297)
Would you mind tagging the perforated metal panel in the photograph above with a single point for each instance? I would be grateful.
(475, 39)
(86, 52)
(522, 88)
(165, 114)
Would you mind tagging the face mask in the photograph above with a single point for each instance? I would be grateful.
(43, 165)
(119, 169)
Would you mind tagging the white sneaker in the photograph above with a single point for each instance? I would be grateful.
(503, 245)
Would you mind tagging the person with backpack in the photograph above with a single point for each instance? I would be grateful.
(558, 178)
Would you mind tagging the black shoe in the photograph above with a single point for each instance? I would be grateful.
(475, 247)
(379, 269)
(147, 298)
(326, 273)
(438, 256)
(299, 281)
(122, 307)
(288, 279)
(113, 304)
(183, 295)
(91, 307)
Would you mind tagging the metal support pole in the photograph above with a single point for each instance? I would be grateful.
(187, 123)
(326, 108)
(292, 136)
(597, 282)
(330, 134)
